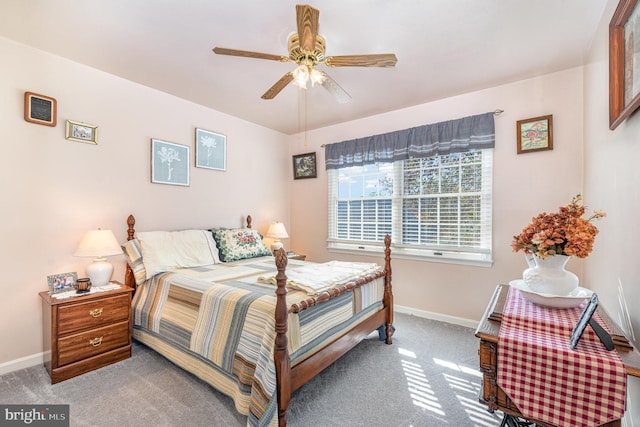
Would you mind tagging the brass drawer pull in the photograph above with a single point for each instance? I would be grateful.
(96, 341)
(95, 313)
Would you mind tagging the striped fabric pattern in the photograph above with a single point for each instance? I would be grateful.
(218, 323)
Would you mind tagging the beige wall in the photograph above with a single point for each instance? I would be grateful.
(53, 190)
(523, 186)
(611, 183)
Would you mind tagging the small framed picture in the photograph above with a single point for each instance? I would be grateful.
(62, 282)
(81, 132)
(535, 134)
(211, 150)
(169, 163)
(304, 166)
(40, 109)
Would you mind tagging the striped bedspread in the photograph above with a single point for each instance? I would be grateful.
(218, 323)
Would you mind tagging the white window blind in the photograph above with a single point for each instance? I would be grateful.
(437, 207)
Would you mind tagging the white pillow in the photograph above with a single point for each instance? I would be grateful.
(169, 250)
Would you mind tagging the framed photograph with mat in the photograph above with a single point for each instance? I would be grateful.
(81, 132)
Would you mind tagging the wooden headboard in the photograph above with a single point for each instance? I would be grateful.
(129, 278)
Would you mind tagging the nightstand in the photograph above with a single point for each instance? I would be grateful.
(85, 332)
(293, 255)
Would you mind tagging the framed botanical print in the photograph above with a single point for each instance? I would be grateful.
(211, 150)
(169, 163)
(535, 134)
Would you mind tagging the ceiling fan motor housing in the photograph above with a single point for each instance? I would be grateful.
(298, 55)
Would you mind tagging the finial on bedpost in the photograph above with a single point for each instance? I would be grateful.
(388, 295)
(131, 222)
(281, 353)
(248, 221)
(129, 278)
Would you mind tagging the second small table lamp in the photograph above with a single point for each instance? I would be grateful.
(277, 231)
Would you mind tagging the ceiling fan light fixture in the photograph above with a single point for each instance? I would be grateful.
(301, 76)
(316, 77)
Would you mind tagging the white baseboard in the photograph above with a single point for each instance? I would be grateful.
(436, 316)
(22, 363)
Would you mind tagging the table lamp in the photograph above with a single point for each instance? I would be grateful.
(99, 244)
(277, 231)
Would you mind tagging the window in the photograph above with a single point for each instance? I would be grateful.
(436, 207)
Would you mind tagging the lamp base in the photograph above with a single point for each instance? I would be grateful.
(276, 245)
(99, 271)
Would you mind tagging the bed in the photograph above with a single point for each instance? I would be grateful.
(255, 326)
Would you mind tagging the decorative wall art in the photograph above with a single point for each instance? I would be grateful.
(304, 166)
(81, 132)
(169, 163)
(624, 62)
(40, 109)
(535, 134)
(211, 150)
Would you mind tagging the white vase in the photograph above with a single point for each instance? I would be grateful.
(550, 277)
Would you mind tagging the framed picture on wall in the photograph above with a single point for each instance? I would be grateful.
(81, 132)
(535, 134)
(40, 109)
(211, 150)
(304, 166)
(169, 163)
(624, 62)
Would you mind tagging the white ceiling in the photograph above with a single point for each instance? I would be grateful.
(444, 48)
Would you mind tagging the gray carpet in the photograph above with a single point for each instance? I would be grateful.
(428, 377)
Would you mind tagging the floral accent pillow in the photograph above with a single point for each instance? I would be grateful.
(235, 244)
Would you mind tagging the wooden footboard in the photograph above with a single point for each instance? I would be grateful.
(290, 378)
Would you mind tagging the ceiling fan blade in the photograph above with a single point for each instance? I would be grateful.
(278, 86)
(375, 60)
(335, 89)
(307, 18)
(249, 54)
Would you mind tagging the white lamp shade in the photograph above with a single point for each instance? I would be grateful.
(277, 231)
(99, 244)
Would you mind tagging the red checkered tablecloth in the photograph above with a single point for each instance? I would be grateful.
(547, 380)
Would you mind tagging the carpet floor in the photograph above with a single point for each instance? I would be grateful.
(428, 377)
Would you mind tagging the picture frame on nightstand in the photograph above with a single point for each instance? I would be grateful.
(62, 282)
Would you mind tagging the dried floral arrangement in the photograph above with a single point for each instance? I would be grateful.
(565, 232)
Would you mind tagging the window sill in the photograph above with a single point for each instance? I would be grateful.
(414, 255)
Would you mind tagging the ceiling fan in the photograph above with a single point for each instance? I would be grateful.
(307, 49)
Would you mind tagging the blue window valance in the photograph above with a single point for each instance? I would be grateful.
(452, 136)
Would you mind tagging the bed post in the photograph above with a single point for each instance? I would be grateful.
(388, 294)
(129, 279)
(281, 352)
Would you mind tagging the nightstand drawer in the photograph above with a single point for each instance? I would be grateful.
(90, 343)
(89, 314)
